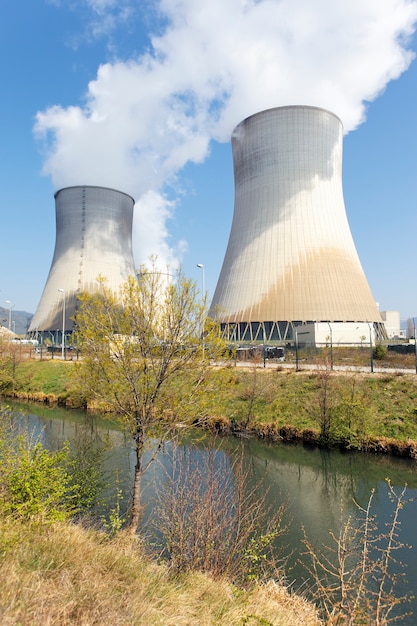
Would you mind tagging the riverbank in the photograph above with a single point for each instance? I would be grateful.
(66, 574)
(351, 410)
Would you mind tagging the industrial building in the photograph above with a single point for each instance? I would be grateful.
(392, 324)
(93, 238)
(334, 334)
(291, 259)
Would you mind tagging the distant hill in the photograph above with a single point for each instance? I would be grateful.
(20, 320)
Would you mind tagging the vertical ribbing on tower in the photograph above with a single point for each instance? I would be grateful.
(290, 256)
(93, 238)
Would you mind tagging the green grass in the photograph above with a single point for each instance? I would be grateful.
(366, 406)
(43, 376)
(371, 406)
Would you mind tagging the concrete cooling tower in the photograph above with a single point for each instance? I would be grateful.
(93, 237)
(290, 258)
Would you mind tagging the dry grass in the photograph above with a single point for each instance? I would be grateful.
(66, 574)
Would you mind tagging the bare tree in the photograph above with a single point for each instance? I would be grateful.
(212, 514)
(355, 577)
(10, 358)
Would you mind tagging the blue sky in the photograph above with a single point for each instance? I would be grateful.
(143, 96)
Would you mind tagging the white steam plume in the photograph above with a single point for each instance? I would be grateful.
(214, 64)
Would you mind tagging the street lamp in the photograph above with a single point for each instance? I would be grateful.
(203, 296)
(63, 323)
(201, 266)
(10, 313)
(371, 353)
(331, 346)
(296, 350)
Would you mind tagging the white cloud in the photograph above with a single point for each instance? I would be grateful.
(213, 64)
(150, 228)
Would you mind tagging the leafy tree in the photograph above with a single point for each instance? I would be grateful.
(145, 355)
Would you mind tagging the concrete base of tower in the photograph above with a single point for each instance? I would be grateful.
(310, 332)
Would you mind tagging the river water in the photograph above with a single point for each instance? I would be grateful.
(315, 483)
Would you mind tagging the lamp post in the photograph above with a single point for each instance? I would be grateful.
(371, 354)
(331, 346)
(201, 266)
(63, 323)
(203, 297)
(10, 313)
(296, 350)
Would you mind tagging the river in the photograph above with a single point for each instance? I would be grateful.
(316, 483)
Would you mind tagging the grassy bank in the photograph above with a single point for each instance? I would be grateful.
(65, 574)
(363, 411)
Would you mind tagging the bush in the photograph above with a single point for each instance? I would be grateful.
(36, 483)
(379, 352)
(357, 577)
(212, 514)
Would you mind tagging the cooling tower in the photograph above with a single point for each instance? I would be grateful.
(93, 237)
(290, 258)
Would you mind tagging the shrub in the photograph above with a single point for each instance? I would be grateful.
(356, 578)
(379, 352)
(36, 483)
(213, 515)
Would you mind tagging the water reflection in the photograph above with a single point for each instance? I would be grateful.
(316, 483)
